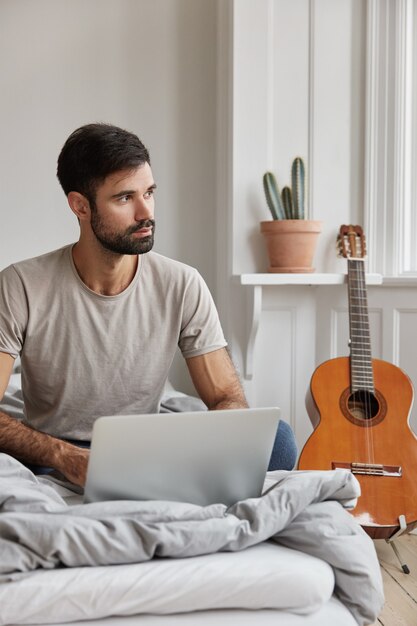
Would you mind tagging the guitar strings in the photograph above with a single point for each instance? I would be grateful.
(351, 282)
(366, 362)
(362, 406)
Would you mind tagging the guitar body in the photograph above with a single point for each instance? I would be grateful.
(342, 436)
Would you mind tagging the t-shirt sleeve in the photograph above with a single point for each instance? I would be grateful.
(201, 331)
(13, 312)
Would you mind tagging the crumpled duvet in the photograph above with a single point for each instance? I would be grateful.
(301, 510)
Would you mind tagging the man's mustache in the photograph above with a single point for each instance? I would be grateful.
(141, 224)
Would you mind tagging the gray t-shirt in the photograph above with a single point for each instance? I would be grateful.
(85, 355)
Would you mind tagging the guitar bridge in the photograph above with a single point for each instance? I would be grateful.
(370, 469)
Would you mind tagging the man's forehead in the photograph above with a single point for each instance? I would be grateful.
(141, 175)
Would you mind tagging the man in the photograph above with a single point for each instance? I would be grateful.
(97, 323)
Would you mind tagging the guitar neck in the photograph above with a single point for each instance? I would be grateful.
(361, 373)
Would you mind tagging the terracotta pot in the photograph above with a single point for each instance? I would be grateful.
(291, 244)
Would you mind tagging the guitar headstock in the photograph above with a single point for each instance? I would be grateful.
(351, 242)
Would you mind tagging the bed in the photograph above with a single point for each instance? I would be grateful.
(294, 557)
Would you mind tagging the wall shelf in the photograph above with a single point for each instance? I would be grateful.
(400, 281)
(257, 281)
(303, 279)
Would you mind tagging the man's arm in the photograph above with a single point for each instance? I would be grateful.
(216, 380)
(32, 446)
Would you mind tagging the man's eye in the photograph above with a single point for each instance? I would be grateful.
(149, 194)
(124, 199)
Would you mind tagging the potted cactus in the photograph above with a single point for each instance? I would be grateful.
(291, 238)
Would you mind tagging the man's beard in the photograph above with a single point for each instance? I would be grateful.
(123, 243)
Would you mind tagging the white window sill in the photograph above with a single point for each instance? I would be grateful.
(303, 279)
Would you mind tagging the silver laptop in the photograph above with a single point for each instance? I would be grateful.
(201, 457)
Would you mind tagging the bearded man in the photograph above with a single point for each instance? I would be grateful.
(96, 323)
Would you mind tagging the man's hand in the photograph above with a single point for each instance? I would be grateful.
(31, 446)
(72, 462)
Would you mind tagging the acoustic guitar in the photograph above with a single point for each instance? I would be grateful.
(360, 408)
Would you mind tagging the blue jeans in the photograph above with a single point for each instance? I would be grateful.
(284, 452)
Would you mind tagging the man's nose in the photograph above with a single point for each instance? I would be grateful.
(143, 210)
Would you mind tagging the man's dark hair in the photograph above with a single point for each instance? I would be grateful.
(94, 151)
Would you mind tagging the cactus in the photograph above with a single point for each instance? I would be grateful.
(273, 198)
(287, 202)
(290, 203)
(298, 185)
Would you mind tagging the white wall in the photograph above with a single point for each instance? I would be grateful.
(299, 90)
(146, 65)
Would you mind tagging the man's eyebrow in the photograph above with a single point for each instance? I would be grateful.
(124, 192)
(131, 192)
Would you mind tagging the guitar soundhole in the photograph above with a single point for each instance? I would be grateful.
(363, 407)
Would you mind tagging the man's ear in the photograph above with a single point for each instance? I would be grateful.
(79, 205)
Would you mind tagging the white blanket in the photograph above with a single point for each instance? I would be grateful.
(302, 510)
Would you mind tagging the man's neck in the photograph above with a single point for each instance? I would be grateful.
(102, 271)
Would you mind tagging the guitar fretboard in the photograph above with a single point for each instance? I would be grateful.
(361, 372)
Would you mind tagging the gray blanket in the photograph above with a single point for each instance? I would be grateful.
(301, 510)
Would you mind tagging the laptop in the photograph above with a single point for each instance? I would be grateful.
(200, 457)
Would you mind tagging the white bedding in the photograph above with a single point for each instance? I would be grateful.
(124, 545)
(333, 613)
(264, 576)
